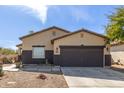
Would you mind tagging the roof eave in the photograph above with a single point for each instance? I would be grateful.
(43, 31)
(18, 45)
(52, 41)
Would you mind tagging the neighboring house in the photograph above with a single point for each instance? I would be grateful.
(117, 52)
(60, 47)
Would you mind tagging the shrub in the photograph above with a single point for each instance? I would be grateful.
(1, 70)
(18, 64)
(7, 51)
(8, 59)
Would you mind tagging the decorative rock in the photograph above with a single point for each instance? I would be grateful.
(42, 76)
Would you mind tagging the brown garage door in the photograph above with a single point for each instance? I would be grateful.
(81, 56)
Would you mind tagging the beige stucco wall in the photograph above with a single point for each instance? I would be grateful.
(43, 38)
(117, 53)
(117, 48)
(76, 40)
(107, 52)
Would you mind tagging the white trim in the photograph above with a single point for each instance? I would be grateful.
(38, 52)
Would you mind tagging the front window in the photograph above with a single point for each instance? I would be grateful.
(38, 52)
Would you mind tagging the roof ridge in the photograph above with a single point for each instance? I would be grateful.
(45, 29)
(80, 30)
(93, 32)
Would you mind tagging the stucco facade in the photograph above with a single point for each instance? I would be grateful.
(77, 39)
(117, 53)
(43, 39)
(53, 38)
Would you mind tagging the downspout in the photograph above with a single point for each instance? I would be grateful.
(104, 57)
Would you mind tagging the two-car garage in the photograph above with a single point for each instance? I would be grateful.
(81, 56)
(81, 49)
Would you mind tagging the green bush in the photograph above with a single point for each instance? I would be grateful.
(7, 51)
(18, 64)
(7, 55)
(1, 71)
(6, 60)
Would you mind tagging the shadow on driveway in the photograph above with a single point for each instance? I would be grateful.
(93, 72)
(42, 68)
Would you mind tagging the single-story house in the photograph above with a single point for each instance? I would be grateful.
(54, 45)
(117, 52)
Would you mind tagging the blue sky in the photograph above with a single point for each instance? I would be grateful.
(16, 21)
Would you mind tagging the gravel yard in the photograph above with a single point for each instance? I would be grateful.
(119, 68)
(24, 79)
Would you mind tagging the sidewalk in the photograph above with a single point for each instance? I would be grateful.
(12, 67)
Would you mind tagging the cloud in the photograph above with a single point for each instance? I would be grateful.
(38, 10)
(12, 47)
(8, 44)
(76, 12)
(7, 41)
(80, 13)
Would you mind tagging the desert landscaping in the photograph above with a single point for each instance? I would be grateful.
(23, 79)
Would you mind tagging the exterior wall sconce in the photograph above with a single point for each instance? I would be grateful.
(57, 50)
(107, 49)
(82, 44)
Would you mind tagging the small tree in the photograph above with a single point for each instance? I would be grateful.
(115, 27)
(7, 51)
(1, 69)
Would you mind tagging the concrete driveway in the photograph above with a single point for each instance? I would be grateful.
(92, 77)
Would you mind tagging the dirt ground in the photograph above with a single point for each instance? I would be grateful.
(23, 79)
(119, 68)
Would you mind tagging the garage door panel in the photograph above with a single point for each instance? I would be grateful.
(67, 59)
(93, 57)
(86, 57)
